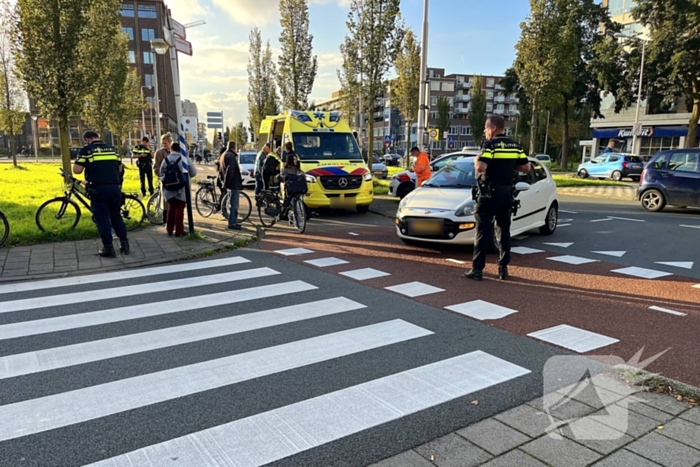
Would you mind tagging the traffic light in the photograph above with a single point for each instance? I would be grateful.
(220, 137)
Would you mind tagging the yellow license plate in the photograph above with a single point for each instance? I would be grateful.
(426, 227)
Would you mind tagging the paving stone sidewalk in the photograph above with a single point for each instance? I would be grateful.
(629, 429)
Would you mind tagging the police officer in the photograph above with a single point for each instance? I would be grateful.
(103, 173)
(144, 160)
(495, 167)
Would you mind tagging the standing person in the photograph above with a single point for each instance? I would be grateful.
(233, 182)
(288, 151)
(166, 140)
(496, 165)
(421, 166)
(610, 148)
(144, 161)
(173, 170)
(270, 170)
(103, 168)
(259, 162)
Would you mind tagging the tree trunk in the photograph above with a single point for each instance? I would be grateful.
(64, 142)
(691, 139)
(13, 149)
(370, 134)
(565, 138)
(533, 130)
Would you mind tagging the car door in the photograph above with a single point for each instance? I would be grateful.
(681, 178)
(610, 165)
(597, 166)
(528, 203)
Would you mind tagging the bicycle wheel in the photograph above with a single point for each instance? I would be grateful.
(245, 207)
(4, 229)
(205, 202)
(132, 211)
(299, 211)
(154, 210)
(225, 205)
(268, 209)
(58, 215)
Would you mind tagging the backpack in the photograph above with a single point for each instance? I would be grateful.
(173, 179)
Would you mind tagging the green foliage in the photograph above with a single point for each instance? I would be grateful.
(127, 107)
(239, 135)
(262, 91)
(443, 115)
(297, 65)
(477, 111)
(12, 99)
(405, 89)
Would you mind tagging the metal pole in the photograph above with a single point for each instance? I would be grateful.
(424, 76)
(150, 117)
(635, 130)
(157, 95)
(546, 134)
(35, 130)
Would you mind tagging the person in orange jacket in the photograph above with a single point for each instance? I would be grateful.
(421, 166)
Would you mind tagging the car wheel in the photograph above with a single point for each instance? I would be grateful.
(404, 189)
(653, 200)
(583, 173)
(616, 175)
(550, 222)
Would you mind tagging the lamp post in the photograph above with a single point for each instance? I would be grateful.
(143, 114)
(34, 137)
(635, 128)
(422, 109)
(160, 47)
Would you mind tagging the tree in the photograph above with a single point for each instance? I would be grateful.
(57, 48)
(12, 99)
(127, 107)
(370, 47)
(262, 91)
(406, 88)
(297, 65)
(443, 115)
(227, 135)
(672, 71)
(239, 135)
(545, 57)
(477, 110)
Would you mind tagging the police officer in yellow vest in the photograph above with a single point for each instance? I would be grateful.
(495, 167)
(144, 160)
(103, 174)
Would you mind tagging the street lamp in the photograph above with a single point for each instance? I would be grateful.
(635, 128)
(143, 114)
(160, 47)
(35, 138)
(423, 109)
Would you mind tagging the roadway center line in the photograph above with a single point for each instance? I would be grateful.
(626, 219)
(666, 310)
(690, 226)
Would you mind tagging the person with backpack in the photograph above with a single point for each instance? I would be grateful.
(270, 170)
(230, 174)
(174, 171)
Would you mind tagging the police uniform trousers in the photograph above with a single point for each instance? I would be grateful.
(499, 208)
(105, 202)
(146, 173)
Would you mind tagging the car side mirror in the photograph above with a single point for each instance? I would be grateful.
(522, 186)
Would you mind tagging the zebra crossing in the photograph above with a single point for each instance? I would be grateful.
(237, 361)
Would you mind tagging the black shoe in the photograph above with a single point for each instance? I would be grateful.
(234, 227)
(183, 234)
(474, 275)
(107, 252)
(124, 246)
(503, 273)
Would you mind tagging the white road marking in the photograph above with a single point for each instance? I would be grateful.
(354, 234)
(563, 221)
(364, 274)
(568, 259)
(642, 272)
(456, 261)
(326, 262)
(666, 310)
(140, 289)
(414, 289)
(98, 401)
(114, 276)
(601, 220)
(626, 219)
(572, 338)
(294, 251)
(677, 264)
(618, 254)
(568, 212)
(114, 315)
(690, 226)
(561, 245)
(270, 436)
(523, 250)
(481, 310)
(563, 225)
(60, 357)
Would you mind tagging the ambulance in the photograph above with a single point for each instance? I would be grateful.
(336, 174)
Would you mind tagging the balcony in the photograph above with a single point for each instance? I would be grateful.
(499, 99)
(463, 98)
(498, 87)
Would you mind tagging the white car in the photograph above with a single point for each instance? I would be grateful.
(247, 162)
(442, 210)
(404, 182)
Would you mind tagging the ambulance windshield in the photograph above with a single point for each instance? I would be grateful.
(321, 146)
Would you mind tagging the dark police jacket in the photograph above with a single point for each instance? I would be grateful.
(102, 164)
(143, 161)
(501, 156)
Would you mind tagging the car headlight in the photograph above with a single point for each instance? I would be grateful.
(402, 204)
(368, 177)
(310, 179)
(467, 209)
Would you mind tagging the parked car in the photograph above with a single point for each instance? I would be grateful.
(614, 165)
(379, 170)
(544, 160)
(404, 182)
(442, 210)
(395, 160)
(246, 159)
(671, 178)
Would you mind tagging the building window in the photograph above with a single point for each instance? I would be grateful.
(127, 10)
(433, 101)
(651, 146)
(132, 56)
(148, 58)
(618, 7)
(500, 108)
(450, 115)
(448, 86)
(489, 83)
(489, 95)
(148, 34)
(489, 108)
(147, 11)
(466, 130)
(129, 32)
(435, 85)
(436, 145)
(433, 115)
(451, 100)
(454, 130)
(148, 80)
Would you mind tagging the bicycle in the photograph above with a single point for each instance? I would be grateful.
(208, 202)
(57, 213)
(154, 209)
(272, 209)
(4, 228)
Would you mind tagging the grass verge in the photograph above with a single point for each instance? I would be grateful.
(564, 181)
(381, 187)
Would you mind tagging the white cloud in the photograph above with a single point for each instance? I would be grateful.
(185, 11)
(334, 59)
(250, 12)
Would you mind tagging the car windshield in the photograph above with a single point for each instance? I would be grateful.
(376, 160)
(326, 146)
(247, 158)
(542, 158)
(457, 174)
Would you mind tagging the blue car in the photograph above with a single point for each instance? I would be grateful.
(671, 178)
(613, 165)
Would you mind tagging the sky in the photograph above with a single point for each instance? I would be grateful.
(465, 36)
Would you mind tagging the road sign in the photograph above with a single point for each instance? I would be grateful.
(450, 142)
(434, 134)
(215, 120)
(183, 46)
(178, 28)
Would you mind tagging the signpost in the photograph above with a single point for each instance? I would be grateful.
(450, 142)
(183, 46)
(215, 120)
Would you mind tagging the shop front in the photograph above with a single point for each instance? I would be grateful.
(650, 139)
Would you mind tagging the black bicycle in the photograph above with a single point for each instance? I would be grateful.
(154, 209)
(62, 213)
(207, 201)
(4, 228)
(272, 209)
